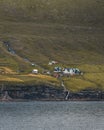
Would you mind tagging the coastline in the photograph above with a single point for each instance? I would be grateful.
(47, 93)
(50, 100)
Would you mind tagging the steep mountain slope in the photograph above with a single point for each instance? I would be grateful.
(62, 11)
(43, 42)
(68, 31)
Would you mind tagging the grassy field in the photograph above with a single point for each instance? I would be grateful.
(28, 79)
(93, 78)
(68, 31)
(94, 81)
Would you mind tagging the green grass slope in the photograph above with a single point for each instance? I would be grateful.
(69, 31)
(42, 42)
(63, 11)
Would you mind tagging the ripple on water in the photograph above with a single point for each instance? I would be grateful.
(51, 115)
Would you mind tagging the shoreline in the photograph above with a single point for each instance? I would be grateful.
(50, 100)
(48, 93)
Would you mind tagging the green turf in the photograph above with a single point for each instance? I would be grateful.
(68, 31)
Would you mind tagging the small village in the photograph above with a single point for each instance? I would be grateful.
(59, 71)
(45, 77)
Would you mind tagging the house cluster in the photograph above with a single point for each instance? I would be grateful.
(59, 71)
(67, 71)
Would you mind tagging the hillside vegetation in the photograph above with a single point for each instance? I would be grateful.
(68, 31)
(63, 11)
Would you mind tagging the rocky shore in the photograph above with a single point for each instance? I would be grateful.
(47, 93)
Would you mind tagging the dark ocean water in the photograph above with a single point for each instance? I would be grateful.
(51, 115)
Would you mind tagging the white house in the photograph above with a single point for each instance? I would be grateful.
(52, 62)
(71, 71)
(35, 71)
(66, 71)
(32, 64)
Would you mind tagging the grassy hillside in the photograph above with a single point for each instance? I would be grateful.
(63, 11)
(69, 31)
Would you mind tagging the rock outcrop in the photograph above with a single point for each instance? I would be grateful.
(45, 92)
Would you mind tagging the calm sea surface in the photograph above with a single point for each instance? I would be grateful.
(51, 115)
